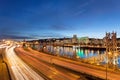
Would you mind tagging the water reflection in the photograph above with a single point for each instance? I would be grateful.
(93, 55)
(69, 51)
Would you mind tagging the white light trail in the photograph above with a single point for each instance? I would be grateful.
(19, 69)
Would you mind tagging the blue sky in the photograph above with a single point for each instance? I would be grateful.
(58, 18)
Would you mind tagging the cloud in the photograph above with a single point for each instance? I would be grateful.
(60, 27)
(48, 35)
(6, 36)
(9, 25)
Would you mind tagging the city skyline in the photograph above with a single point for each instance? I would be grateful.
(30, 19)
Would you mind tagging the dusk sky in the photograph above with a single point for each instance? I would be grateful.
(58, 18)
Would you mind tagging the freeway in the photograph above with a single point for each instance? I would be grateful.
(46, 68)
(84, 68)
(3, 45)
(18, 69)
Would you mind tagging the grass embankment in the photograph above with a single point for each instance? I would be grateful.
(4, 75)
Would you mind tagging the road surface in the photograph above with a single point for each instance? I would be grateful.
(75, 66)
(19, 70)
(46, 69)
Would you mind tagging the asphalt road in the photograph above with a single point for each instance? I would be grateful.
(80, 68)
(19, 70)
(46, 69)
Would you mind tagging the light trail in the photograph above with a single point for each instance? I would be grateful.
(19, 70)
(77, 66)
(46, 69)
(3, 45)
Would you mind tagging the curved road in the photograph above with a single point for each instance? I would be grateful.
(19, 70)
(45, 68)
(76, 66)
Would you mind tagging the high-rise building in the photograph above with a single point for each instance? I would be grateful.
(74, 39)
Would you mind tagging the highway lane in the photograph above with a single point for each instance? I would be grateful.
(3, 45)
(46, 69)
(77, 67)
(19, 70)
